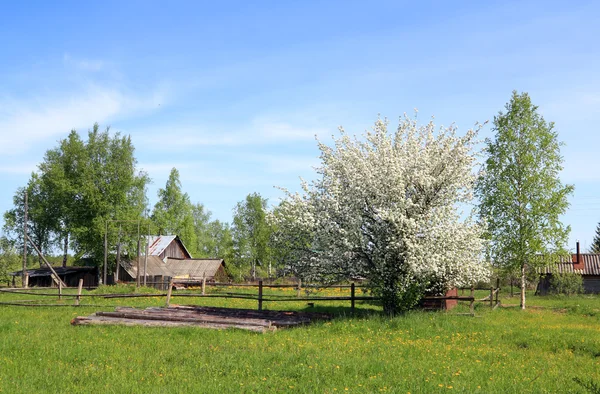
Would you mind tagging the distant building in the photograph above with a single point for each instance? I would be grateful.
(169, 258)
(42, 277)
(585, 264)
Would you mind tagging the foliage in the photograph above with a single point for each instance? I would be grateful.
(78, 187)
(39, 222)
(521, 195)
(173, 213)
(251, 233)
(595, 248)
(214, 238)
(385, 208)
(568, 283)
(9, 259)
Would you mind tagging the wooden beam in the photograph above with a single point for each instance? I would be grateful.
(54, 275)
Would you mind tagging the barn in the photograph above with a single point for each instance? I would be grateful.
(169, 258)
(585, 264)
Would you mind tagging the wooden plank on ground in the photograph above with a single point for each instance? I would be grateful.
(210, 317)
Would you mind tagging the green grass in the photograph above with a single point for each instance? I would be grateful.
(501, 351)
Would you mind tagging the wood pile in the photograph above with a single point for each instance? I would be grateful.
(206, 317)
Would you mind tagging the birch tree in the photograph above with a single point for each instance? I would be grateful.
(387, 207)
(521, 194)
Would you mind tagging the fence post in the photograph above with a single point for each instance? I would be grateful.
(260, 294)
(352, 288)
(497, 291)
(472, 306)
(299, 288)
(203, 285)
(79, 287)
(492, 297)
(26, 280)
(169, 292)
(60, 290)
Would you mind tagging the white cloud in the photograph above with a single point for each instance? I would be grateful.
(261, 131)
(28, 122)
(18, 169)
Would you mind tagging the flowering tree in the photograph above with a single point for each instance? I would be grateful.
(386, 208)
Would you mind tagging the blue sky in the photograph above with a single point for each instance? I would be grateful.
(233, 93)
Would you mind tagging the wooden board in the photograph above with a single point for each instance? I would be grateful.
(206, 317)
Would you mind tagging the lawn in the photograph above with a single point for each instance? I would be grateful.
(502, 351)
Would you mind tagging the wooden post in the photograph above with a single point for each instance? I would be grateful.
(352, 296)
(146, 255)
(60, 290)
(260, 294)
(56, 277)
(299, 288)
(116, 276)
(204, 284)
(137, 274)
(492, 297)
(105, 268)
(26, 282)
(169, 292)
(472, 305)
(497, 291)
(79, 288)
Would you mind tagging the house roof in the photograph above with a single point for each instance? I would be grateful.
(591, 265)
(194, 268)
(181, 268)
(158, 243)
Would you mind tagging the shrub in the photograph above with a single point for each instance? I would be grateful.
(566, 283)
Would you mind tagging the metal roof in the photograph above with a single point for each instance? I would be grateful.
(158, 243)
(180, 268)
(591, 265)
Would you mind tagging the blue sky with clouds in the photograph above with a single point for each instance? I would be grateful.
(233, 93)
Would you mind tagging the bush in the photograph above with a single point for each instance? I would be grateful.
(566, 283)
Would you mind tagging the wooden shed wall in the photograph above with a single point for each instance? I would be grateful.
(174, 250)
(591, 284)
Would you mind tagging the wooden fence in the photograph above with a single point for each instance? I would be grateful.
(168, 284)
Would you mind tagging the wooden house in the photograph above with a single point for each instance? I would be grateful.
(585, 264)
(169, 258)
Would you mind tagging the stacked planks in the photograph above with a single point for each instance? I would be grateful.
(206, 317)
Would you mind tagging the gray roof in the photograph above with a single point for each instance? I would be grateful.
(591, 265)
(188, 268)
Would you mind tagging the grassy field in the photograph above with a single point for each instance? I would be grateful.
(502, 351)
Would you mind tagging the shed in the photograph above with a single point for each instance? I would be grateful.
(585, 264)
(169, 258)
(42, 277)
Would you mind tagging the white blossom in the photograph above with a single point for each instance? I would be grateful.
(386, 207)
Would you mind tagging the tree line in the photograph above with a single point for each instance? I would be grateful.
(87, 189)
(386, 206)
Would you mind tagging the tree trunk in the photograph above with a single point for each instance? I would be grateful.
(389, 296)
(65, 250)
(523, 286)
